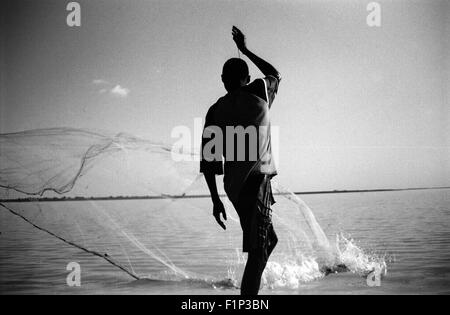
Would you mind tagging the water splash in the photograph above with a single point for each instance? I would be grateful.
(356, 259)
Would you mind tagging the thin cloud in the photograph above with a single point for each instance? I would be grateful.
(120, 91)
(107, 87)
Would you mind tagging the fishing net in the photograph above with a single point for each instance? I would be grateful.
(132, 203)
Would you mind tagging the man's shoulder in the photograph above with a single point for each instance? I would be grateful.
(213, 108)
(256, 87)
(221, 100)
(265, 88)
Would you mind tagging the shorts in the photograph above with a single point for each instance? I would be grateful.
(255, 214)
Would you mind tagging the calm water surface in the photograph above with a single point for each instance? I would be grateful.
(413, 227)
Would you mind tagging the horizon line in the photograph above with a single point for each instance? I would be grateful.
(106, 198)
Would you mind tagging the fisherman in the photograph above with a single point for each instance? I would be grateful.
(247, 176)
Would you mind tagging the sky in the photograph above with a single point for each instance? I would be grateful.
(359, 107)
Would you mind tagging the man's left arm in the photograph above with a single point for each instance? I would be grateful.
(218, 207)
(210, 167)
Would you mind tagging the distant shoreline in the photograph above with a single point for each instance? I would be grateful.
(59, 199)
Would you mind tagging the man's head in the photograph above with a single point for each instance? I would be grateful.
(235, 74)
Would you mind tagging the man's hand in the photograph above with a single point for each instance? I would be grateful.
(218, 205)
(219, 209)
(265, 67)
(239, 39)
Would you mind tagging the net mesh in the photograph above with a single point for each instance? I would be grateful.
(129, 201)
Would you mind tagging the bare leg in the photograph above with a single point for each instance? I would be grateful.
(256, 263)
(254, 268)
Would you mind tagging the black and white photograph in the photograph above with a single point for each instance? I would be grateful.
(225, 148)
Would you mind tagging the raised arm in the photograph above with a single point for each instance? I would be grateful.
(265, 67)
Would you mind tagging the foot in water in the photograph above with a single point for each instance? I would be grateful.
(225, 284)
(334, 269)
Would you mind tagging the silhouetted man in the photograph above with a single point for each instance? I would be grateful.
(248, 169)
